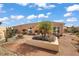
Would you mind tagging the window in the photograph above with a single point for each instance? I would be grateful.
(56, 29)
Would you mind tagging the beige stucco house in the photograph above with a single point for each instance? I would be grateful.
(34, 26)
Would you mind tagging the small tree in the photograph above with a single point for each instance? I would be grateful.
(45, 27)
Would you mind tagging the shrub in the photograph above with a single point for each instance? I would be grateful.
(9, 32)
(50, 38)
(19, 36)
(37, 37)
(24, 31)
(77, 33)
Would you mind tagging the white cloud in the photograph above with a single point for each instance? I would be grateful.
(58, 20)
(37, 16)
(42, 16)
(31, 16)
(16, 17)
(69, 25)
(49, 13)
(68, 14)
(39, 20)
(51, 6)
(22, 4)
(42, 6)
(1, 9)
(12, 17)
(39, 6)
(72, 19)
(20, 17)
(4, 19)
(74, 7)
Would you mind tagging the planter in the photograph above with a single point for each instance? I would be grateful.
(44, 44)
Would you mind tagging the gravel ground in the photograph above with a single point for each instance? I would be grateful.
(66, 48)
(4, 52)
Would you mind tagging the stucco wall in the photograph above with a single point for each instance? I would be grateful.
(34, 26)
(2, 31)
(61, 25)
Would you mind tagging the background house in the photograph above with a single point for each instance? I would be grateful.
(56, 26)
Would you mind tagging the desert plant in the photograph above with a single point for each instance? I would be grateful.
(44, 27)
(10, 32)
(77, 33)
(73, 30)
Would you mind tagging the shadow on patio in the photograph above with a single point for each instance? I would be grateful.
(26, 49)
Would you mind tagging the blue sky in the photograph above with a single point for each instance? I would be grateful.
(12, 14)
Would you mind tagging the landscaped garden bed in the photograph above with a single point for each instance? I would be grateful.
(44, 44)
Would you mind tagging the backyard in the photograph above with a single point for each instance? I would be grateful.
(19, 47)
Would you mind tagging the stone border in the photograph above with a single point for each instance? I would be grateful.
(43, 44)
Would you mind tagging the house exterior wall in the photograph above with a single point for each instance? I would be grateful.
(2, 33)
(34, 26)
(60, 25)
